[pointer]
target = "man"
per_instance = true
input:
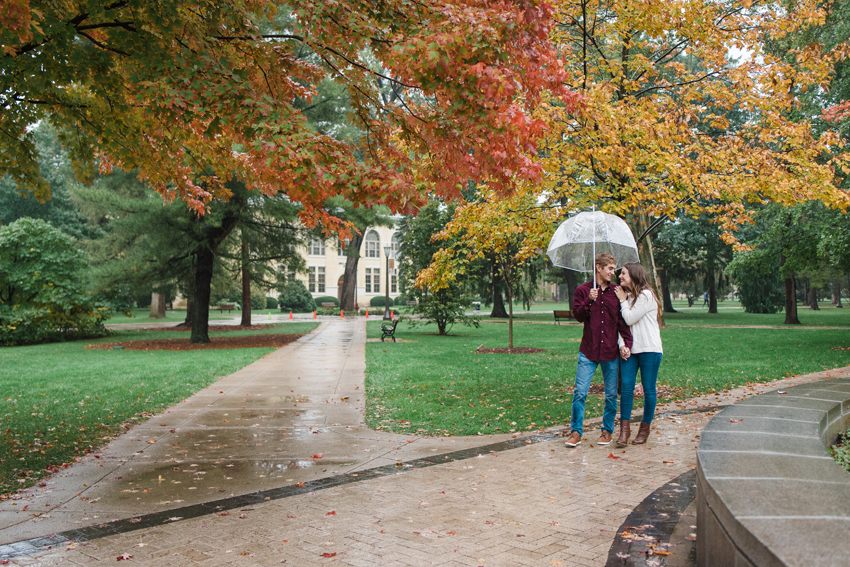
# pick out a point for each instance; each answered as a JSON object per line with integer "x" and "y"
{"x": 704, "y": 298}
{"x": 599, "y": 309}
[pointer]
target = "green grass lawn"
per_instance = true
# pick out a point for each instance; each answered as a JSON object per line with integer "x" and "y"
{"x": 60, "y": 400}
{"x": 142, "y": 316}
{"x": 827, "y": 316}
{"x": 438, "y": 385}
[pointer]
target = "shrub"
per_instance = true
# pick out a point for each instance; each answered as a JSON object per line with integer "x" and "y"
{"x": 445, "y": 308}
{"x": 295, "y": 297}
{"x": 43, "y": 287}
{"x": 258, "y": 299}
{"x": 271, "y": 303}
{"x": 402, "y": 299}
{"x": 379, "y": 301}
{"x": 326, "y": 299}
{"x": 759, "y": 281}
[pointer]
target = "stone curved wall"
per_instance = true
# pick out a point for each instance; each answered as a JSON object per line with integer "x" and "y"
{"x": 768, "y": 491}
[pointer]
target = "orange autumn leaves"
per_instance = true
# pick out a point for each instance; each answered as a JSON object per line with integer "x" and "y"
{"x": 190, "y": 95}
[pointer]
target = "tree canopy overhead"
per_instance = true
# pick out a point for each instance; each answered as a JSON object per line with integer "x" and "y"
{"x": 670, "y": 123}
{"x": 189, "y": 92}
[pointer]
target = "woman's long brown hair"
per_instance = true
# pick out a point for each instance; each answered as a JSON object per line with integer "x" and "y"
{"x": 639, "y": 283}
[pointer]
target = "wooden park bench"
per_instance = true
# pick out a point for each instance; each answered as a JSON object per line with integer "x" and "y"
{"x": 328, "y": 305}
{"x": 222, "y": 307}
{"x": 388, "y": 330}
{"x": 563, "y": 315}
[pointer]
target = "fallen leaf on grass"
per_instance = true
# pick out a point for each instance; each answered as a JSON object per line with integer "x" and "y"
{"x": 611, "y": 456}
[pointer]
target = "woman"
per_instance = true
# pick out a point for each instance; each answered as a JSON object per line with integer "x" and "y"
{"x": 640, "y": 311}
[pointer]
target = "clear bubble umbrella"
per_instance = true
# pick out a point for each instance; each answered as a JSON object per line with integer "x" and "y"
{"x": 580, "y": 238}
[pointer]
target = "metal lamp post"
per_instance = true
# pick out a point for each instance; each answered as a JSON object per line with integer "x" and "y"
{"x": 388, "y": 249}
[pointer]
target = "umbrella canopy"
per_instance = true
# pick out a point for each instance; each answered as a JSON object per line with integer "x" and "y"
{"x": 580, "y": 238}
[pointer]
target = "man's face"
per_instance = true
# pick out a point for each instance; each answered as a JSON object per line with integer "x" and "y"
{"x": 605, "y": 273}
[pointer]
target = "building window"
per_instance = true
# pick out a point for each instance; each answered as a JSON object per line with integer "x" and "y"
{"x": 373, "y": 245}
{"x": 316, "y": 280}
{"x": 394, "y": 284}
{"x": 373, "y": 280}
{"x": 317, "y": 247}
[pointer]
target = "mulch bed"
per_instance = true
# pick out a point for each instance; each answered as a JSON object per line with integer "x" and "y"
{"x": 515, "y": 350}
{"x": 216, "y": 328}
{"x": 248, "y": 341}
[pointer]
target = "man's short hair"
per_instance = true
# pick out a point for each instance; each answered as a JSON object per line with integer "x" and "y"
{"x": 605, "y": 259}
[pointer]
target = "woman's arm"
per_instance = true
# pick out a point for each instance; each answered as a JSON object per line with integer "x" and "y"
{"x": 643, "y": 305}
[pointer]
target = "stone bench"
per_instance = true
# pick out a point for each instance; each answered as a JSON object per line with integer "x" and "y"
{"x": 768, "y": 491}
{"x": 221, "y": 308}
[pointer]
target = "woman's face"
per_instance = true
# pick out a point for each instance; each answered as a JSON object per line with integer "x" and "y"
{"x": 625, "y": 278}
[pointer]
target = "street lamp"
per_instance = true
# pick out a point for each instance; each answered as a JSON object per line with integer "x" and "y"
{"x": 388, "y": 249}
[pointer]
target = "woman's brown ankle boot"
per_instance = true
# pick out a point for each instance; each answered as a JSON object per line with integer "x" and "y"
{"x": 642, "y": 434}
{"x": 625, "y": 432}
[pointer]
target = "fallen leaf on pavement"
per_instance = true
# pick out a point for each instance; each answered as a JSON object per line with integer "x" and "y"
{"x": 124, "y": 556}
{"x": 611, "y": 456}
{"x": 328, "y": 554}
{"x": 735, "y": 420}
{"x": 780, "y": 392}
{"x": 331, "y": 513}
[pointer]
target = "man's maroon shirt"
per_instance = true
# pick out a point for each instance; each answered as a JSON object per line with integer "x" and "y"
{"x": 602, "y": 321}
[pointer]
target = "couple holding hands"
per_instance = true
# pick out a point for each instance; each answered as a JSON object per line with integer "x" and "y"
{"x": 620, "y": 334}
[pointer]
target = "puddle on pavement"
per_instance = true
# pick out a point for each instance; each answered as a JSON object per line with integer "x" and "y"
{"x": 180, "y": 483}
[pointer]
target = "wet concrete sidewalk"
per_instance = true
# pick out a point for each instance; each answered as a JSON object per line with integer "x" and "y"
{"x": 293, "y": 416}
{"x": 318, "y": 487}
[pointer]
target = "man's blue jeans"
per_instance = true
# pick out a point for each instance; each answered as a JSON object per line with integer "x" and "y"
{"x": 648, "y": 362}
{"x": 584, "y": 373}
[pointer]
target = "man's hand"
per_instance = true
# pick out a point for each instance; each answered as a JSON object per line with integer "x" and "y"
{"x": 594, "y": 293}
{"x": 625, "y": 353}
{"x": 621, "y": 294}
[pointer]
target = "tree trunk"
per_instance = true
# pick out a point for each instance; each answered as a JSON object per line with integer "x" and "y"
{"x": 805, "y": 283}
{"x": 190, "y": 313}
{"x": 712, "y": 290}
{"x": 572, "y": 284}
{"x": 157, "y": 306}
{"x": 836, "y": 293}
{"x": 790, "y": 298}
{"x": 666, "y": 300}
{"x": 498, "y": 311}
{"x": 349, "y": 278}
{"x": 203, "y": 271}
{"x": 639, "y": 224}
{"x": 507, "y": 280}
{"x": 813, "y": 298}
{"x": 246, "y": 284}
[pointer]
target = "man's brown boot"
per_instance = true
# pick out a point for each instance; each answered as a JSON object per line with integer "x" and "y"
{"x": 625, "y": 432}
{"x": 642, "y": 434}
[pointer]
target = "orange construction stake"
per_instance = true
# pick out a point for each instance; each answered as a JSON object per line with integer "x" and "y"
{"x": 314, "y": 314}
{"x": 367, "y": 313}
{"x": 290, "y": 314}
{"x": 341, "y": 314}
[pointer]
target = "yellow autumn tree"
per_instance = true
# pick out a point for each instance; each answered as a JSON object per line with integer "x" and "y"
{"x": 511, "y": 230}
{"x": 671, "y": 123}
